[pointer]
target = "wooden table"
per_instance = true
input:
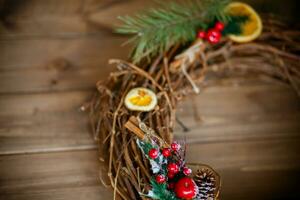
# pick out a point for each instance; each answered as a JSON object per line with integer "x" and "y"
{"x": 51, "y": 57}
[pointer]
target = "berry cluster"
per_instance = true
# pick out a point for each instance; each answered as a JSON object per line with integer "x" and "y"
{"x": 175, "y": 174}
{"x": 212, "y": 35}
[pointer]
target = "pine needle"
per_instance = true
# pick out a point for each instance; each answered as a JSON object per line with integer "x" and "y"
{"x": 234, "y": 25}
{"x": 157, "y": 30}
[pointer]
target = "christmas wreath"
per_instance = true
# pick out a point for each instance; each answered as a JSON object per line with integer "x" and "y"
{"x": 175, "y": 48}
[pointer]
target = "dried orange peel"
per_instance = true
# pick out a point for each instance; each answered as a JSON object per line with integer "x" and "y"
{"x": 140, "y": 99}
{"x": 250, "y": 29}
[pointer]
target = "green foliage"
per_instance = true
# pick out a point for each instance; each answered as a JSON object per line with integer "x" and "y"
{"x": 234, "y": 25}
{"x": 146, "y": 146}
{"x": 157, "y": 30}
{"x": 160, "y": 192}
{"x": 156, "y": 164}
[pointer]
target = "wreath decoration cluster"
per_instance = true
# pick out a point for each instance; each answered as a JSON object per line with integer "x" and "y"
{"x": 176, "y": 47}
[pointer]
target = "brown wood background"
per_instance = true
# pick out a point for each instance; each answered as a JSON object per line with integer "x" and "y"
{"x": 52, "y": 52}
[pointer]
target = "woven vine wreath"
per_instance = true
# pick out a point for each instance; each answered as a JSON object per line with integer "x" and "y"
{"x": 176, "y": 47}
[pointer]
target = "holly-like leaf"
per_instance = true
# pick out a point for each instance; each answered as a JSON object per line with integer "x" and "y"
{"x": 156, "y": 164}
{"x": 160, "y": 192}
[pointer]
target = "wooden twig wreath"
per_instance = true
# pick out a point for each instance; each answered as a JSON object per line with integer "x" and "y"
{"x": 173, "y": 74}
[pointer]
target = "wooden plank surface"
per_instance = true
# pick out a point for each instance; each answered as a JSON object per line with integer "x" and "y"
{"x": 70, "y": 174}
{"x": 30, "y": 121}
{"x": 67, "y": 18}
{"x": 240, "y": 142}
{"x": 56, "y": 65}
{"x": 44, "y": 123}
{"x": 52, "y": 54}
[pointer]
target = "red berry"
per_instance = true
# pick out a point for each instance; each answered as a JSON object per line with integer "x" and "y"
{"x": 175, "y": 146}
{"x": 171, "y": 175}
{"x": 201, "y": 34}
{"x": 166, "y": 152}
{"x": 213, "y": 36}
{"x": 186, "y": 188}
{"x": 160, "y": 178}
{"x": 173, "y": 168}
{"x": 219, "y": 26}
{"x": 153, "y": 153}
{"x": 187, "y": 171}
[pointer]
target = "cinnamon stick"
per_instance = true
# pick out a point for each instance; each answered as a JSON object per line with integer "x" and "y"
{"x": 132, "y": 125}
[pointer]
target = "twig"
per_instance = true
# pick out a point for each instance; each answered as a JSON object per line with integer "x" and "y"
{"x": 184, "y": 127}
{"x": 114, "y": 127}
{"x": 139, "y": 70}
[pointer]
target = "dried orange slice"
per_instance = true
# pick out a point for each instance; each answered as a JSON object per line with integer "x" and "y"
{"x": 140, "y": 99}
{"x": 250, "y": 29}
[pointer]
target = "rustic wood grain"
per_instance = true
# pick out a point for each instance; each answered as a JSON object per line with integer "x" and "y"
{"x": 107, "y": 17}
{"x": 266, "y": 185}
{"x": 53, "y": 121}
{"x": 248, "y": 155}
{"x": 56, "y": 65}
{"x": 44, "y": 122}
{"x": 52, "y": 54}
{"x": 252, "y": 110}
{"x": 70, "y": 174}
{"x": 56, "y": 18}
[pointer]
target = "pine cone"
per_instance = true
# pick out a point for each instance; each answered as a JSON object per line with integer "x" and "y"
{"x": 207, "y": 183}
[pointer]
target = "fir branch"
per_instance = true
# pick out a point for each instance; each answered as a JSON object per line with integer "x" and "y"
{"x": 160, "y": 192}
{"x": 234, "y": 25}
{"x": 157, "y": 30}
{"x": 145, "y": 146}
{"x": 156, "y": 164}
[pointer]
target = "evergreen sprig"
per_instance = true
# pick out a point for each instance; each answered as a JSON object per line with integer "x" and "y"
{"x": 234, "y": 23}
{"x": 157, "y": 30}
{"x": 160, "y": 192}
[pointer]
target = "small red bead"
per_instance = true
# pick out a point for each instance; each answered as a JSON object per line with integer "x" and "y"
{"x": 213, "y": 36}
{"x": 173, "y": 168}
{"x": 187, "y": 171}
{"x": 170, "y": 175}
{"x": 201, "y": 34}
{"x": 160, "y": 178}
{"x": 175, "y": 146}
{"x": 153, "y": 153}
{"x": 166, "y": 152}
{"x": 219, "y": 26}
